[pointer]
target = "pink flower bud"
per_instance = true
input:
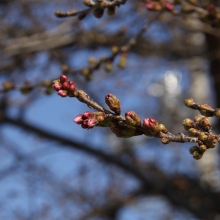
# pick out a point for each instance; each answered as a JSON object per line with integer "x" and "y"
{"x": 92, "y": 122}
{"x": 150, "y": 5}
{"x": 65, "y": 85}
{"x": 87, "y": 115}
{"x": 132, "y": 118}
{"x": 169, "y": 6}
{"x": 72, "y": 87}
{"x": 57, "y": 86}
{"x": 151, "y": 125}
{"x": 84, "y": 125}
{"x": 62, "y": 93}
{"x": 63, "y": 78}
{"x": 71, "y": 82}
{"x": 78, "y": 119}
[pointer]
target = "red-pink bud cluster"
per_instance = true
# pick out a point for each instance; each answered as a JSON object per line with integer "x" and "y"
{"x": 89, "y": 119}
{"x": 155, "y": 5}
{"x": 64, "y": 87}
{"x": 151, "y": 125}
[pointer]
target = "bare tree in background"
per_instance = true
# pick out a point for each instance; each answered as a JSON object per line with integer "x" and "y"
{"x": 151, "y": 54}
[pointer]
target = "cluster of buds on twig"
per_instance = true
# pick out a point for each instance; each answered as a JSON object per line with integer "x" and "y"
{"x": 97, "y": 6}
{"x": 200, "y": 128}
{"x": 64, "y": 87}
{"x": 155, "y": 5}
{"x": 210, "y": 14}
{"x": 88, "y": 119}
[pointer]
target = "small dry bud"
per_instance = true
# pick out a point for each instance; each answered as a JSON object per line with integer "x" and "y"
{"x": 164, "y": 140}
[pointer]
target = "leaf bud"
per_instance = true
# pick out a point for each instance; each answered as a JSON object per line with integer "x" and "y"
{"x": 163, "y": 128}
{"x": 122, "y": 61}
{"x": 113, "y": 103}
{"x": 115, "y": 49}
{"x": 108, "y": 66}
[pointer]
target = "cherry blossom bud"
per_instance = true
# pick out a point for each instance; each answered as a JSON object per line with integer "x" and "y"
{"x": 72, "y": 88}
{"x": 63, "y": 78}
{"x": 113, "y": 103}
{"x": 211, "y": 141}
{"x": 132, "y": 118}
{"x": 92, "y": 122}
{"x": 87, "y": 115}
{"x": 193, "y": 132}
{"x": 189, "y": 103}
{"x": 150, "y": 5}
{"x": 188, "y": 123}
{"x": 202, "y": 148}
{"x": 193, "y": 149}
{"x": 217, "y": 112}
{"x": 57, "y": 86}
{"x": 205, "y": 124}
{"x": 65, "y": 86}
{"x": 197, "y": 155}
{"x": 197, "y": 118}
{"x": 62, "y": 93}
{"x": 151, "y": 125}
{"x": 169, "y": 6}
{"x": 202, "y": 136}
{"x": 207, "y": 113}
{"x": 78, "y": 119}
